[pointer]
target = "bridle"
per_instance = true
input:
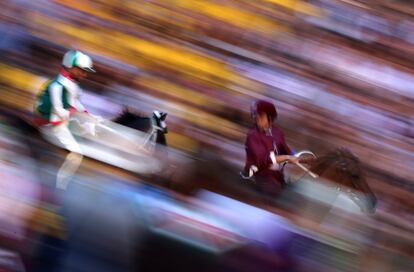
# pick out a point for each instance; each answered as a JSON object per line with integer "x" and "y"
{"x": 151, "y": 138}
{"x": 307, "y": 171}
{"x": 337, "y": 187}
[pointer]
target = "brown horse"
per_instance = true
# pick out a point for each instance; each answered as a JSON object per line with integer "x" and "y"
{"x": 339, "y": 169}
{"x": 343, "y": 169}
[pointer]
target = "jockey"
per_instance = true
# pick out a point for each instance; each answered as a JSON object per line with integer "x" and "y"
{"x": 266, "y": 150}
{"x": 55, "y": 104}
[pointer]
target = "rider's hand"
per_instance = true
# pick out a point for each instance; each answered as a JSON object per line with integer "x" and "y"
{"x": 65, "y": 115}
{"x": 98, "y": 119}
{"x": 308, "y": 161}
{"x": 89, "y": 128}
{"x": 244, "y": 176}
{"x": 293, "y": 159}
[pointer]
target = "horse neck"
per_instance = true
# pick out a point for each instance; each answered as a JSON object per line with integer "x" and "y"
{"x": 328, "y": 168}
{"x": 343, "y": 169}
{"x": 135, "y": 122}
{"x": 338, "y": 169}
{"x": 145, "y": 124}
{"x": 322, "y": 164}
{"x": 160, "y": 138}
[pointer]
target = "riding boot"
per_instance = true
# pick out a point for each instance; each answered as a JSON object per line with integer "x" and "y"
{"x": 68, "y": 169}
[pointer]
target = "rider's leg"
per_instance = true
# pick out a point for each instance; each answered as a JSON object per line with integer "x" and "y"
{"x": 269, "y": 187}
{"x": 72, "y": 160}
{"x": 61, "y": 135}
{"x": 68, "y": 169}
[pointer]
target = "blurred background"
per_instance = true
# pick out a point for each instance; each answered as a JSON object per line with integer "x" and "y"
{"x": 340, "y": 72}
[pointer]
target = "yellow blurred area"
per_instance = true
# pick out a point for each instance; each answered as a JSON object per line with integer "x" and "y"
{"x": 34, "y": 217}
{"x": 339, "y": 72}
{"x": 163, "y": 14}
{"x": 134, "y": 50}
{"x": 208, "y": 121}
{"x": 20, "y": 79}
{"x": 47, "y": 222}
{"x": 179, "y": 92}
{"x": 90, "y": 39}
{"x": 228, "y": 14}
{"x": 180, "y": 141}
{"x": 297, "y": 5}
{"x": 96, "y": 9}
{"x": 193, "y": 114}
{"x": 169, "y": 12}
{"x": 26, "y": 85}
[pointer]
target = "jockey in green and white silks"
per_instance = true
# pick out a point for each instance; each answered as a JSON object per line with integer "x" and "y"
{"x": 60, "y": 96}
{"x": 55, "y": 103}
{"x": 58, "y": 99}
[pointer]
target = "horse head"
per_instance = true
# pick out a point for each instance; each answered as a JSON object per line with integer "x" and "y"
{"x": 155, "y": 125}
{"x": 343, "y": 168}
{"x": 159, "y": 121}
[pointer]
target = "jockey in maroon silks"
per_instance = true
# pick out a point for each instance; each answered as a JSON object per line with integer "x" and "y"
{"x": 266, "y": 150}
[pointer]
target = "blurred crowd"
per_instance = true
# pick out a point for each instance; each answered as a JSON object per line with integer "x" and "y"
{"x": 340, "y": 73}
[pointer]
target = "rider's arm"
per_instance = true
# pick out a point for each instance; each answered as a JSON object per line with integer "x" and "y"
{"x": 286, "y": 158}
{"x": 285, "y": 148}
{"x": 250, "y": 161}
{"x": 56, "y": 100}
{"x": 79, "y": 107}
{"x": 259, "y": 159}
{"x": 77, "y": 103}
{"x": 255, "y": 155}
{"x": 285, "y": 152}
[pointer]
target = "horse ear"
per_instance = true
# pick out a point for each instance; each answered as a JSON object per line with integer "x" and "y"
{"x": 125, "y": 109}
{"x": 159, "y": 115}
{"x": 156, "y": 114}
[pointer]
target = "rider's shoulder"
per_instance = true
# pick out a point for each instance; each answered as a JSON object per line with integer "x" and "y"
{"x": 55, "y": 83}
{"x": 276, "y": 130}
{"x": 47, "y": 84}
{"x": 253, "y": 132}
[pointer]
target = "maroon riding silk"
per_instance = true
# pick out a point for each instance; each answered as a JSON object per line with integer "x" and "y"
{"x": 259, "y": 144}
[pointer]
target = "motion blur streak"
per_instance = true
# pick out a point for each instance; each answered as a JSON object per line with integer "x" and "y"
{"x": 163, "y": 137}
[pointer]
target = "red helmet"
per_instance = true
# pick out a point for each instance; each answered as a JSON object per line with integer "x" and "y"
{"x": 263, "y": 106}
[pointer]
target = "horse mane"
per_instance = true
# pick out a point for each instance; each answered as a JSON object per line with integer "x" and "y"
{"x": 138, "y": 121}
{"x": 127, "y": 116}
{"x": 345, "y": 163}
{"x": 347, "y": 171}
